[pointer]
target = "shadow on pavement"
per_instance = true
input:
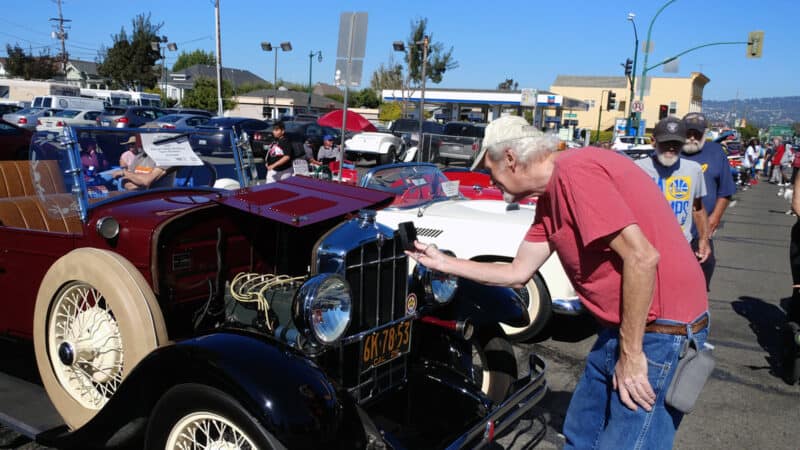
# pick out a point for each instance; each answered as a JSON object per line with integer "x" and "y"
{"x": 766, "y": 321}
{"x": 567, "y": 329}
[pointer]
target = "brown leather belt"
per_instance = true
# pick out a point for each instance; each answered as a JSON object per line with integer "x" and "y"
{"x": 677, "y": 329}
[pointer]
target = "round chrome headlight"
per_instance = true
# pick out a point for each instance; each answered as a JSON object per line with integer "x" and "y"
{"x": 438, "y": 285}
{"x": 323, "y": 306}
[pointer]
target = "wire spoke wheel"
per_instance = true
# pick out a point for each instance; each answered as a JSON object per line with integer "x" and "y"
{"x": 205, "y": 430}
{"x": 85, "y": 340}
{"x": 95, "y": 318}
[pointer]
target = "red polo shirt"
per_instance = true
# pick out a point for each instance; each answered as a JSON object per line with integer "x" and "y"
{"x": 594, "y": 193}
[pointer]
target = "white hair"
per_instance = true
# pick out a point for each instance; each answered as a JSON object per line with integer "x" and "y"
{"x": 515, "y": 133}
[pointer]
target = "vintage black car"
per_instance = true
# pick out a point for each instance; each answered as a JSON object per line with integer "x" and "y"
{"x": 277, "y": 315}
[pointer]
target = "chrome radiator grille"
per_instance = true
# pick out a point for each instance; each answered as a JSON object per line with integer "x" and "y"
{"x": 378, "y": 276}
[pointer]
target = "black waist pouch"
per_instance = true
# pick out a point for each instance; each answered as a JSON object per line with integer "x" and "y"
{"x": 694, "y": 367}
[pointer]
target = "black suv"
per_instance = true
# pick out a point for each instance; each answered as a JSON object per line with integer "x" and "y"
{"x": 408, "y": 130}
{"x": 212, "y": 136}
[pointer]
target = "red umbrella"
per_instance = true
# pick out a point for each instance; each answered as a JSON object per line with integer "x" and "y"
{"x": 355, "y": 121}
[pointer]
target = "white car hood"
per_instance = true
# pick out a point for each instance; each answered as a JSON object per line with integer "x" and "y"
{"x": 468, "y": 227}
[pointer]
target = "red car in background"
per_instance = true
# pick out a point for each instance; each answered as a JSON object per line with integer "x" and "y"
{"x": 478, "y": 185}
{"x": 14, "y": 141}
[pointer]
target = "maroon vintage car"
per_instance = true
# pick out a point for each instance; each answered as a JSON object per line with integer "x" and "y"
{"x": 14, "y": 141}
{"x": 176, "y": 315}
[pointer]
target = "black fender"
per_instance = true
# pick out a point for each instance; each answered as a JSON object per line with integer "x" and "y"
{"x": 285, "y": 390}
{"x": 484, "y": 305}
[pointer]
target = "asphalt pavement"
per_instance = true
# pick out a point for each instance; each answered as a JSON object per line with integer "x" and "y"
{"x": 745, "y": 404}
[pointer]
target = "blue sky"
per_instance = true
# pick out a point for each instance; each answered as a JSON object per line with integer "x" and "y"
{"x": 530, "y": 41}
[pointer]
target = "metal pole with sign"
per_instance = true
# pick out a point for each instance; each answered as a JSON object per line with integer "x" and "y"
{"x": 349, "y": 61}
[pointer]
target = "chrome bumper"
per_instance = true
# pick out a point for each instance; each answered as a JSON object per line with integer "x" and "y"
{"x": 527, "y": 393}
{"x": 568, "y": 306}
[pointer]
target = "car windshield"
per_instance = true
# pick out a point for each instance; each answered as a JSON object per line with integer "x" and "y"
{"x": 413, "y": 184}
{"x": 105, "y": 165}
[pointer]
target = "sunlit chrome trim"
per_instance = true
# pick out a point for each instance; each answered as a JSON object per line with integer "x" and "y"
{"x": 306, "y": 299}
{"x": 107, "y": 227}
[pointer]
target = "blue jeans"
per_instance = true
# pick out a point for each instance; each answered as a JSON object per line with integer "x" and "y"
{"x": 597, "y": 418}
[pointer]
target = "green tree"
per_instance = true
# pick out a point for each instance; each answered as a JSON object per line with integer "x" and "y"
{"x": 250, "y": 87}
{"x": 366, "y": 98}
{"x": 130, "y": 61}
{"x": 439, "y": 60}
{"x": 387, "y": 76}
{"x": 196, "y": 57}
{"x": 508, "y": 85}
{"x": 25, "y": 65}
{"x": 204, "y": 95}
{"x": 748, "y": 131}
{"x": 390, "y": 111}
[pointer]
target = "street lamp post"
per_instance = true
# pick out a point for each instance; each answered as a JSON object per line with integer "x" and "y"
{"x": 267, "y": 47}
{"x": 310, "y": 60}
{"x": 631, "y": 114}
{"x": 643, "y": 78}
{"x": 156, "y": 45}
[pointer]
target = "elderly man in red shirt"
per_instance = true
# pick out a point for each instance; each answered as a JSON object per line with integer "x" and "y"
{"x": 621, "y": 247}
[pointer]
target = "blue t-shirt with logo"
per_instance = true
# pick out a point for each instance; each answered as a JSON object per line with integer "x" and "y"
{"x": 717, "y": 173}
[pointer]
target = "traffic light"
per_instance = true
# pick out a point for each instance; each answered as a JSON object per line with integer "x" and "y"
{"x": 611, "y": 104}
{"x": 663, "y": 110}
{"x": 628, "y": 67}
{"x": 755, "y": 43}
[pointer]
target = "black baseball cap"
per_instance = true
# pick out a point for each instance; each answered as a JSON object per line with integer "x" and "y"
{"x": 695, "y": 121}
{"x": 670, "y": 129}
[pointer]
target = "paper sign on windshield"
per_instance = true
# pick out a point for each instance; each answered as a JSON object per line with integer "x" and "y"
{"x": 450, "y": 188}
{"x": 168, "y": 150}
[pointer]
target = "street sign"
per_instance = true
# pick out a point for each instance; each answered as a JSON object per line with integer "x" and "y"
{"x": 570, "y": 116}
{"x": 351, "y": 48}
{"x": 637, "y": 106}
{"x": 527, "y": 97}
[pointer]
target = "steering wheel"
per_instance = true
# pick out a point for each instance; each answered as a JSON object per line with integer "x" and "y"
{"x": 189, "y": 174}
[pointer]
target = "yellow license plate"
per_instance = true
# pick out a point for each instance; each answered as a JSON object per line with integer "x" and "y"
{"x": 386, "y": 344}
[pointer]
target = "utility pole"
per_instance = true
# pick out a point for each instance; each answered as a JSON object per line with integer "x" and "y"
{"x": 61, "y": 35}
{"x": 219, "y": 60}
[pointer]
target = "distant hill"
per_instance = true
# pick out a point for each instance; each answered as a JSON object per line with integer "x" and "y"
{"x": 760, "y": 112}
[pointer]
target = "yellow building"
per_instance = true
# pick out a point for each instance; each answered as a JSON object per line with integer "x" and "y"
{"x": 677, "y": 96}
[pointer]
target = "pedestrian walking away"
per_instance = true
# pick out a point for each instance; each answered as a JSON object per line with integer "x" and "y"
{"x": 720, "y": 186}
{"x": 624, "y": 252}
{"x": 681, "y": 182}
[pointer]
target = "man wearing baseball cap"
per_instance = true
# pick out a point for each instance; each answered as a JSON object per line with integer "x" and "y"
{"x": 681, "y": 181}
{"x": 719, "y": 182}
{"x": 328, "y": 152}
{"x": 625, "y": 254}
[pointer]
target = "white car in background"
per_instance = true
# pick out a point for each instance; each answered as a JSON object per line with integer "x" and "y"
{"x": 482, "y": 230}
{"x": 67, "y": 117}
{"x": 383, "y": 147}
{"x": 632, "y": 143}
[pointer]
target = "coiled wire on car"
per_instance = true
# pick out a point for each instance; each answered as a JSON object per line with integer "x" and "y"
{"x": 254, "y": 288}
